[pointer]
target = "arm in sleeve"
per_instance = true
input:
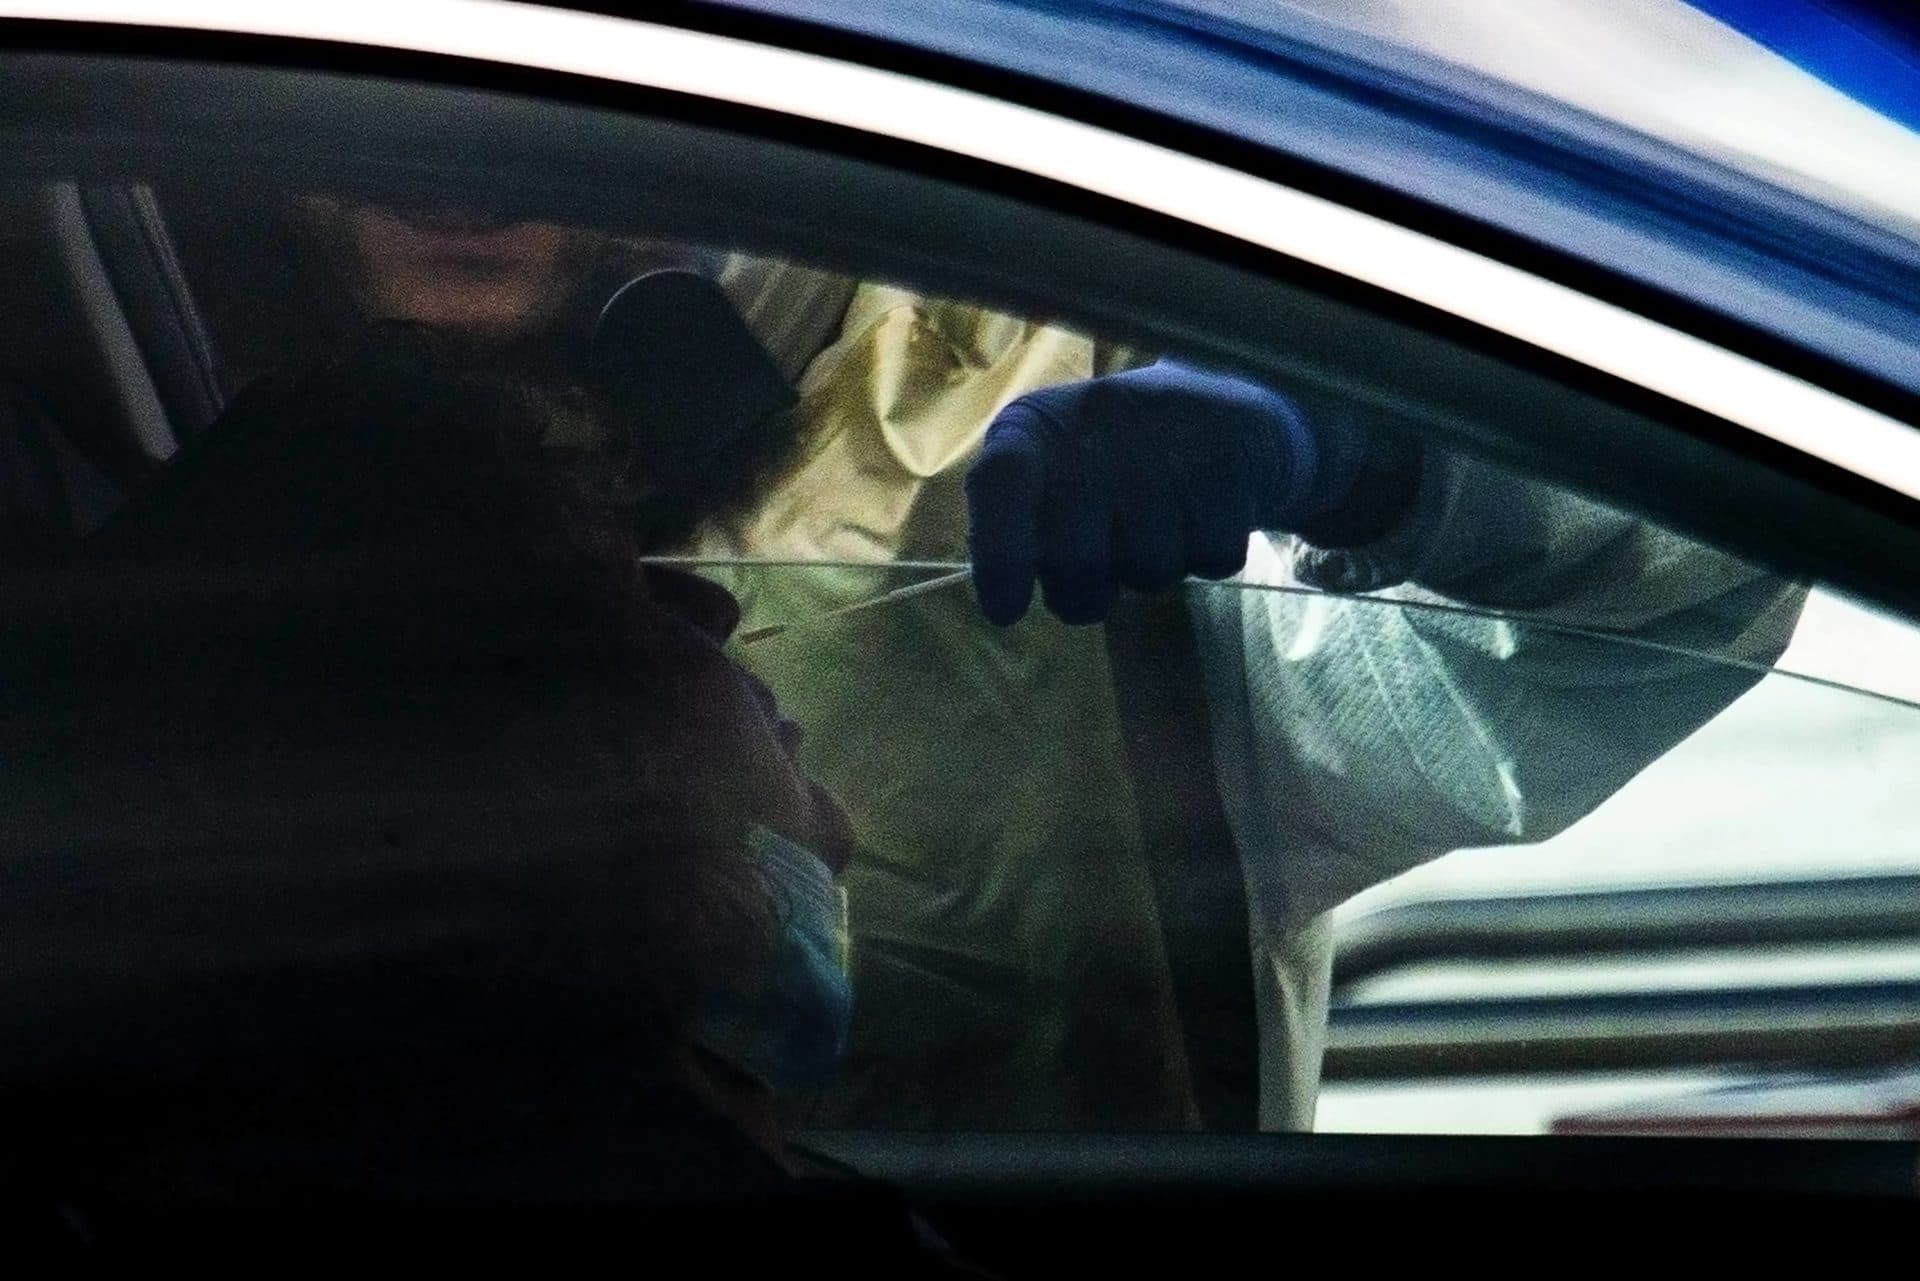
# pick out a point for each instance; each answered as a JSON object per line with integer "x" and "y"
{"x": 1358, "y": 736}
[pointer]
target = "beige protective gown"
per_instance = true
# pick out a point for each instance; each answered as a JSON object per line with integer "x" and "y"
{"x": 1008, "y": 967}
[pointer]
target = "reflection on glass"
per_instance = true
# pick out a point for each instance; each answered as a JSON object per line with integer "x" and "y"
{"x": 446, "y": 609}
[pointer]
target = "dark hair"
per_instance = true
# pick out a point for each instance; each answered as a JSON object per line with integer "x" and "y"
{"x": 385, "y": 761}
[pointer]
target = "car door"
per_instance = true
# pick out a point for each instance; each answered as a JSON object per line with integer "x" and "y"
{"x": 1017, "y": 220}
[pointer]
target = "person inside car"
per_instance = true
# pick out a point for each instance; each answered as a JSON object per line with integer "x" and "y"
{"x": 418, "y": 778}
{"x": 411, "y": 849}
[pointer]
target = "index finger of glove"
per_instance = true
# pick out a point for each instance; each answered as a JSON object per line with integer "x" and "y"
{"x": 1004, "y": 488}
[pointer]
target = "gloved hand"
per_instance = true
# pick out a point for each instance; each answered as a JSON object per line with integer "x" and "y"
{"x": 1141, "y": 478}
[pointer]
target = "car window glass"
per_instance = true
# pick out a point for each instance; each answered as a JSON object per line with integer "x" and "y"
{"x": 1096, "y": 877}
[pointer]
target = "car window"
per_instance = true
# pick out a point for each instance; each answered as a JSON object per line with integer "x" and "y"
{"x": 1740, "y": 915}
{"x": 425, "y": 605}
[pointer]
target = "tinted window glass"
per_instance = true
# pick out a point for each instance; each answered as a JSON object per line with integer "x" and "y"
{"x": 548, "y": 628}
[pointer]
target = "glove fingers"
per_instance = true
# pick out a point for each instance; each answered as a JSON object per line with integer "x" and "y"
{"x": 1004, "y": 490}
{"x": 1076, "y": 530}
{"x": 1217, "y": 534}
{"x": 1149, "y": 537}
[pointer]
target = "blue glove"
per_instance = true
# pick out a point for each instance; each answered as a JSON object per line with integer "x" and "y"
{"x": 1139, "y": 479}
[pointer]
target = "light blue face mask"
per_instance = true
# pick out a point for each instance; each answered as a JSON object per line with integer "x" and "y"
{"x": 792, "y": 1030}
